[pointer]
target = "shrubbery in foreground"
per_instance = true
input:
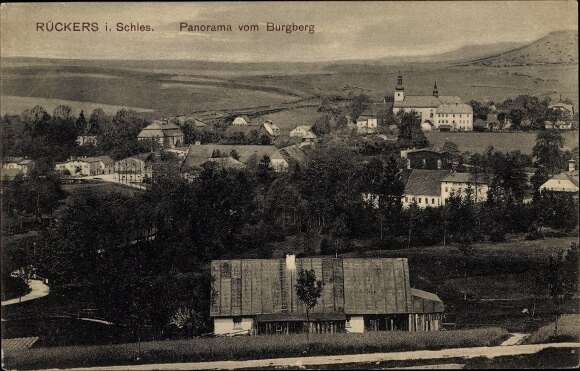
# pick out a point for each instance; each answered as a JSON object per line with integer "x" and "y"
{"x": 237, "y": 348}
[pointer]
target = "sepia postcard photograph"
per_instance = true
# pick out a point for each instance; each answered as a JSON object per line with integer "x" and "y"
{"x": 317, "y": 185}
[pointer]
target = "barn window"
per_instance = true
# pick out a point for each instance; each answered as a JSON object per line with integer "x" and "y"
{"x": 237, "y": 323}
{"x": 226, "y": 270}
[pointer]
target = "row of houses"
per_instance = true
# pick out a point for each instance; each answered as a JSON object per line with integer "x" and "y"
{"x": 86, "y": 166}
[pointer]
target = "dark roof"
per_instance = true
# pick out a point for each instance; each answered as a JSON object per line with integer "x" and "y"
{"x": 465, "y": 178}
{"x": 425, "y": 182}
{"x": 350, "y": 286}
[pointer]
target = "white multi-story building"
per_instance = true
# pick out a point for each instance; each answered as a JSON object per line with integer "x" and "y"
{"x": 438, "y": 112}
{"x": 432, "y": 188}
{"x": 459, "y": 183}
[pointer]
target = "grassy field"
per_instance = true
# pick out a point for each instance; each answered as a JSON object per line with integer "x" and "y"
{"x": 476, "y": 142}
{"x": 174, "y": 87}
{"x": 214, "y": 349}
{"x": 499, "y": 285}
{"x": 568, "y": 330}
{"x": 288, "y": 120}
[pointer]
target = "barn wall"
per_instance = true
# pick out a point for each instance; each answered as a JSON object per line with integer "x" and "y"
{"x": 223, "y": 326}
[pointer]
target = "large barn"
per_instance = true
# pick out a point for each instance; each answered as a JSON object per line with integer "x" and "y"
{"x": 258, "y": 297}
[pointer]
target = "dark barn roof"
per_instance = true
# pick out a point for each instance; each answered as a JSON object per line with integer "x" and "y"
{"x": 254, "y": 287}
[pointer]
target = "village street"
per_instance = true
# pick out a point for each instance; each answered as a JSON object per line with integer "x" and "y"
{"x": 38, "y": 289}
{"x": 490, "y": 352}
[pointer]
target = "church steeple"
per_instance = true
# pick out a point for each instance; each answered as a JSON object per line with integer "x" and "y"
{"x": 399, "y": 89}
{"x": 435, "y": 90}
{"x": 399, "y": 82}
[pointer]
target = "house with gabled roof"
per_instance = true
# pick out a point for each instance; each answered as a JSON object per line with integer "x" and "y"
{"x": 259, "y": 297}
{"x": 423, "y": 188}
{"x": 165, "y": 133}
{"x": 241, "y": 121}
{"x": 566, "y": 182}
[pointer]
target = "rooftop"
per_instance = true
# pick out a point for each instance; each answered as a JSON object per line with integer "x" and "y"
{"x": 465, "y": 178}
{"x": 418, "y": 101}
{"x": 350, "y": 286}
{"x": 425, "y": 182}
{"x": 455, "y": 108}
{"x": 159, "y": 129}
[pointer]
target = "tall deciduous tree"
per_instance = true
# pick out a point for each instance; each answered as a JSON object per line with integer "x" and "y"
{"x": 548, "y": 151}
{"x": 308, "y": 291}
{"x": 410, "y": 133}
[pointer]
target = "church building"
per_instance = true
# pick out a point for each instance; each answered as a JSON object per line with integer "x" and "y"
{"x": 437, "y": 112}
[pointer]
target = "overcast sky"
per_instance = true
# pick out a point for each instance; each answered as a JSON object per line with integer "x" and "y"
{"x": 344, "y": 30}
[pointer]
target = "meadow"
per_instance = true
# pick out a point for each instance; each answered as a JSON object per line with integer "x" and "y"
{"x": 568, "y": 330}
{"x": 478, "y": 142}
{"x": 256, "y": 347}
{"x": 501, "y": 280}
{"x": 182, "y": 87}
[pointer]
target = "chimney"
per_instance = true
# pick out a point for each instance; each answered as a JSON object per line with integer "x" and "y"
{"x": 291, "y": 262}
{"x": 571, "y": 166}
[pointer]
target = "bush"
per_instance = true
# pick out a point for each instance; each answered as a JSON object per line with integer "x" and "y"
{"x": 238, "y": 348}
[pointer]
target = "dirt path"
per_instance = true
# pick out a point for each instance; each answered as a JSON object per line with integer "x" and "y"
{"x": 38, "y": 289}
{"x": 515, "y": 338}
{"x": 489, "y": 352}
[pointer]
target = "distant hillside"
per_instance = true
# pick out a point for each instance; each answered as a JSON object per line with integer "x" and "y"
{"x": 463, "y": 54}
{"x": 555, "y": 48}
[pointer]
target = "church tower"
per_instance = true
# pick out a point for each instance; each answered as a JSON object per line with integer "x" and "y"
{"x": 399, "y": 89}
{"x": 435, "y": 90}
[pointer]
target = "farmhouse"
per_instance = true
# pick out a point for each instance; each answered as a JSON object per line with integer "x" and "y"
{"x": 135, "y": 168}
{"x": 564, "y": 182}
{"x": 423, "y": 188}
{"x": 567, "y": 110}
{"x": 241, "y": 121}
{"x": 166, "y": 134}
{"x": 367, "y": 122}
{"x": 258, "y": 297}
{"x": 437, "y": 112}
{"x": 304, "y": 132}
{"x": 271, "y": 129}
